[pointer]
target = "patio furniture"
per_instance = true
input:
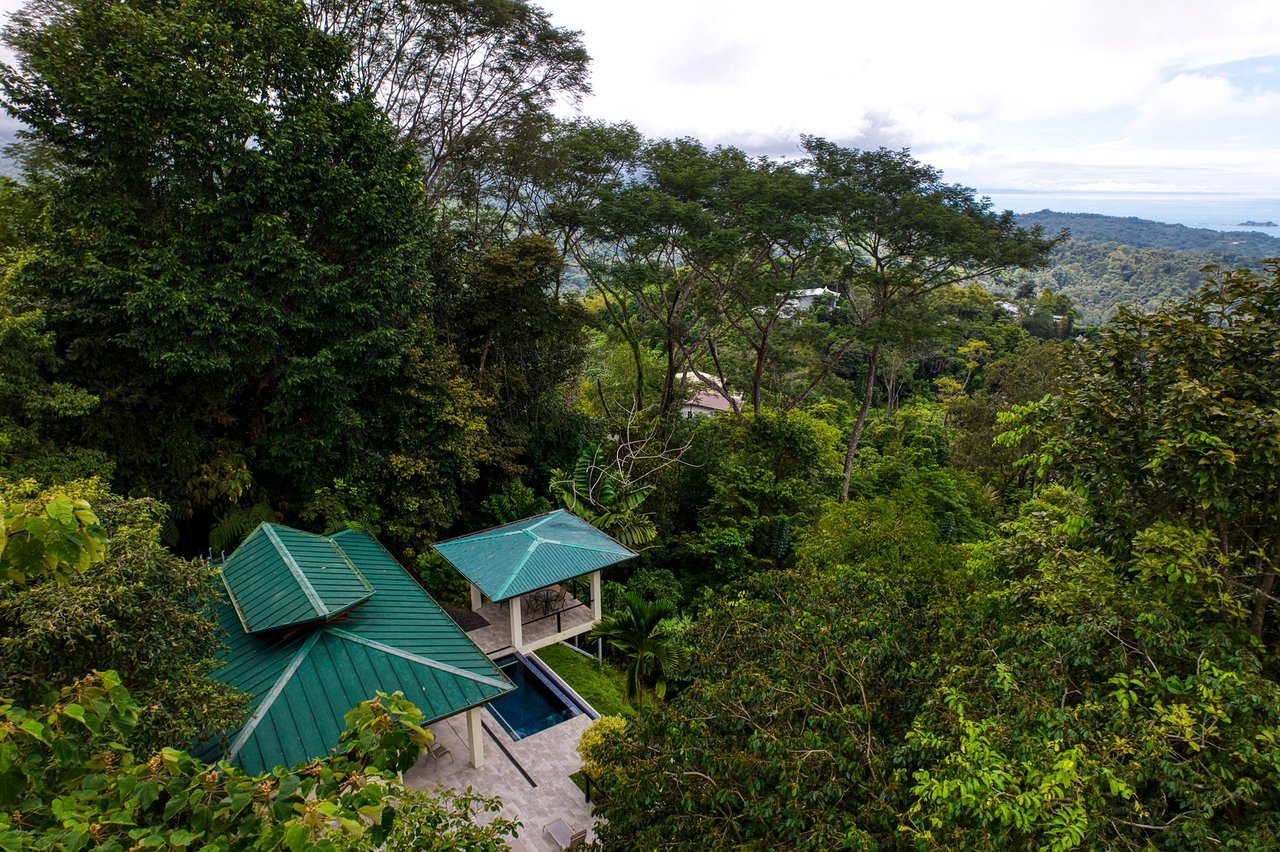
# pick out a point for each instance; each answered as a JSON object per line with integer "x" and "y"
{"x": 559, "y": 594}
{"x": 549, "y": 599}
{"x": 564, "y": 836}
{"x": 439, "y": 750}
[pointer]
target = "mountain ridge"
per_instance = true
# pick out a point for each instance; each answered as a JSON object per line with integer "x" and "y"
{"x": 1148, "y": 233}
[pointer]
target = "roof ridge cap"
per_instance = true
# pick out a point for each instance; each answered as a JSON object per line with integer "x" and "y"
{"x": 260, "y": 712}
{"x": 406, "y": 655}
{"x": 545, "y": 518}
{"x": 235, "y": 604}
{"x": 313, "y": 597}
{"x": 351, "y": 564}
{"x": 498, "y": 530}
{"x": 559, "y": 543}
{"x": 519, "y": 566}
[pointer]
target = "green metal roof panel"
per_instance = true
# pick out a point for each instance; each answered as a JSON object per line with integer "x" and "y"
{"x": 304, "y": 681}
{"x": 404, "y": 615}
{"x": 282, "y": 577}
{"x": 301, "y": 715}
{"x": 510, "y": 560}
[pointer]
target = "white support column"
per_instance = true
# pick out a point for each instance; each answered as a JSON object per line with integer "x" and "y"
{"x": 475, "y": 737}
{"x": 595, "y": 595}
{"x": 517, "y": 631}
{"x": 477, "y": 599}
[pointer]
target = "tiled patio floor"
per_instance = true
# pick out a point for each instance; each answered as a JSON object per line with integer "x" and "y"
{"x": 549, "y": 757}
{"x": 497, "y": 635}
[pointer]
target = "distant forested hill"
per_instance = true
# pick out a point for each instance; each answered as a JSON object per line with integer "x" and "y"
{"x": 1094, "y": 228}
{"x": 1111, "y": 260}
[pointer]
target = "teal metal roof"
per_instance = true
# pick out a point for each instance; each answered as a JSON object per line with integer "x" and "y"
{"x": 282, "y": 577}
{"x": 303, "y": 681}
{"x": 510, "y": 560}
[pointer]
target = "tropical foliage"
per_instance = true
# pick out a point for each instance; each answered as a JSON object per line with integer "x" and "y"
{"x": 643, "y": 633}
{"x": 67, "y": 783}
{"x": 951, "y": 570}
{"x": 599, "y": 495}
{"x": 92, "y": 588}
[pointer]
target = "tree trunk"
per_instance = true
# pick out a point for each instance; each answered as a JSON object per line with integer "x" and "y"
{"x": 757, "y": 378}
{"x": 1264, "y": 599}
{"x": 484, "y": 353}
{"x": 639, "y": 361}
{"x": 862, "y": 422}
{"x": 669, "y": 382}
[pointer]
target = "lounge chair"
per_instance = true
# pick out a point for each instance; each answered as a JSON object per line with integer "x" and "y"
{"x": 439, "y": 750}
{"x": 564, "y": 836}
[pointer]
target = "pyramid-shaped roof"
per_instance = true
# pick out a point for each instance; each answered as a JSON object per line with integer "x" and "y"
{"x": 510, "y": 560}
{"x": 304, "y": 680}
{"x": 282, "y": 577}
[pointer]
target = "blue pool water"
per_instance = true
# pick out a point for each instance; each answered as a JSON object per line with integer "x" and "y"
{"x": 534, "y": 705}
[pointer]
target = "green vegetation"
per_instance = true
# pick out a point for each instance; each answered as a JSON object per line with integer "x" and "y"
{"x": 1144, "y": 233}
{"x": 68, "y": 783}
{"x": 1110, "y": 262}
{"x": 949, "y": 570}
{"x": 1100, "y": 672}
{"x": 642, "y": 632}
{"x": 600, "y": 685}
{"x": 131, "y": 606}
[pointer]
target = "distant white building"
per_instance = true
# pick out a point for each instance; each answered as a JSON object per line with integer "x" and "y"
{"x": 802, "y": 300}
{"x": 708, "y": 401}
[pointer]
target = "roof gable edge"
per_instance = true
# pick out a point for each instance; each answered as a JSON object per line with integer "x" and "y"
{"x": 313, "y": 597}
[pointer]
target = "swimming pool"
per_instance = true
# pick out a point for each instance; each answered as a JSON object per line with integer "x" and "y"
{"x": 535, "y": 705}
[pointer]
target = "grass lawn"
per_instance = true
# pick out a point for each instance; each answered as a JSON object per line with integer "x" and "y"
{"x": 600, "y": 685}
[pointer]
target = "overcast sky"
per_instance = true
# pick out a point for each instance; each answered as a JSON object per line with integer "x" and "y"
{"x": 1038, "y": 95}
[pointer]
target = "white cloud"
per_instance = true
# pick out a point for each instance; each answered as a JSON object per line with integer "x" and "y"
{"x": 1203, "y": 97}
{"x": 972, "y": 87}
{"x": 998, "y": 93}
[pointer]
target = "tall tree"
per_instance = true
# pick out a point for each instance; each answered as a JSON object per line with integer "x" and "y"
{"x": 33, "y": 401}
{"x": 801, "y": 681}
{"x": 232, "y": 261}
{"x": 1096, "y": 697}
{"x": 519, "y": 342}
{"x": 706, "y": 247}
{"x": 900, "y": 234}
{"x": 456, "y": 76}
{"x": 1171, "y": 416}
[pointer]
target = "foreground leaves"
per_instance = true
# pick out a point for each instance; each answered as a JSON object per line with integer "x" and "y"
{"x": 67, "y": 783}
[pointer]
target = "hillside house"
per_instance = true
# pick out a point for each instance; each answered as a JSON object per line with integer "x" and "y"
{"x": 316, "y": 624}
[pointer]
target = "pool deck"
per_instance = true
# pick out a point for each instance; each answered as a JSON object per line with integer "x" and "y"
{"x": 548, "y": 757}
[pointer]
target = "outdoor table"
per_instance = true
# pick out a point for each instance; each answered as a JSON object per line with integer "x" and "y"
{"x": 544, "y": 598}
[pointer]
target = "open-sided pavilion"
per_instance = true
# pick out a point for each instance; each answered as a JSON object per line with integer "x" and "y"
{"x": 537, "y": 580}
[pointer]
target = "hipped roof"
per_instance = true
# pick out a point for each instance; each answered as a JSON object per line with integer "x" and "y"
{"x": 282, "y": 577}
{"x": 510, "y": 560}
{"x": 304, "y": 679}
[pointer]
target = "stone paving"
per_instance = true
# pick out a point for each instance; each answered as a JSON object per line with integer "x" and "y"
{"x": 549, "y": 757}
{"x": 497, "y": 636}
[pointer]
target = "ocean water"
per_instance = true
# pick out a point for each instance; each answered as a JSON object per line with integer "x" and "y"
{"x": 1218, "y": 212}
